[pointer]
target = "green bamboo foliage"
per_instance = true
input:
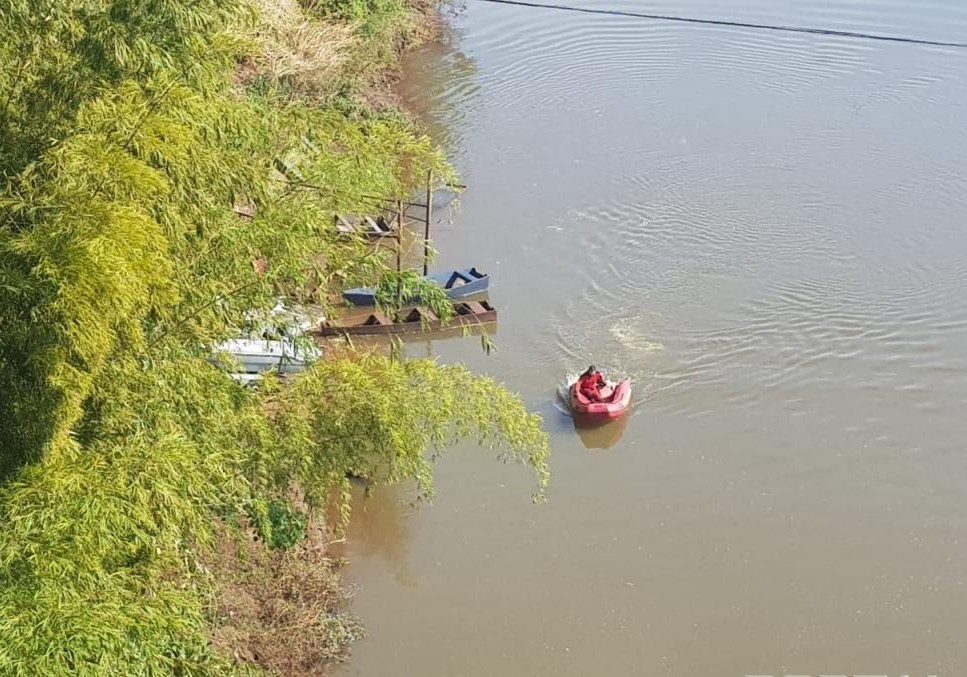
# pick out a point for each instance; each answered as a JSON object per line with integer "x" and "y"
{"x": 81, "y": 263}
{"x": 378, "y": 418}
{"x": 394, "y": 290}
{"x": 97, "y": 571}
{"x": 138, "y": 203}
{"x": 98, "y": 555}
{"x": 126, "y": 150}
{"x": 60, "y": 53}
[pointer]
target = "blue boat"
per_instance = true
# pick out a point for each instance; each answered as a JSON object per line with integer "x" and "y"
{"x": 458, "y": 284}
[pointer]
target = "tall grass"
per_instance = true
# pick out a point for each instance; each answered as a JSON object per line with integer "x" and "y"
{"x": 385, "y": 26}
{"x": 309, "y": 52}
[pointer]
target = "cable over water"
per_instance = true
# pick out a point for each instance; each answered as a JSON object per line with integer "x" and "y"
{"x": 737, "y": 24}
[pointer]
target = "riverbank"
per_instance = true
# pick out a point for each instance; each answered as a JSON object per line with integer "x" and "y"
{"x": 172, "y": 171}
{"x": 286, "y": 610}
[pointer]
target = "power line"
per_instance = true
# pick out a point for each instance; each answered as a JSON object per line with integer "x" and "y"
{"x": 736, "y": 24}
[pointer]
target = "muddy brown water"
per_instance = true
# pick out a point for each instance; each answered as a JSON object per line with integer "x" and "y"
{"x": 768, "y": 233}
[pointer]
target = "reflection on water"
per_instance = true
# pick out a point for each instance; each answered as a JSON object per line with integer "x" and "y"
{"x": 379, "y": 528}
{"x": 602, "y": 435}
{"x": 439, "y": 74}
{"x": 766, "y": 232}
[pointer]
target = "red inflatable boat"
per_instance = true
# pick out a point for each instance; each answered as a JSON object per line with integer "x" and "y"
{"x": 615, "y": 401}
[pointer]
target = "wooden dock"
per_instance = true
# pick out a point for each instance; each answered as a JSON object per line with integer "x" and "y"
{"x": 415, "y": 320}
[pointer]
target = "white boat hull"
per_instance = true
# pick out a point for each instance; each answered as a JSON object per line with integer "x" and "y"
{"x": 258, "y": 355}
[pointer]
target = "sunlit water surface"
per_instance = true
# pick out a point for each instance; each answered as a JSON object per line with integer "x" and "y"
{"x": 768, "y": 233}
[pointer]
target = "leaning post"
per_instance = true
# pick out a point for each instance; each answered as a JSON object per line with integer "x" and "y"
{"x": 399, "y": 236}
{"x": 429, "y": 219}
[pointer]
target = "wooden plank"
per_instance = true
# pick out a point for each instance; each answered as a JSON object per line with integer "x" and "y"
{"x": 343, "y": 225}
{"x": 420, "y": 317}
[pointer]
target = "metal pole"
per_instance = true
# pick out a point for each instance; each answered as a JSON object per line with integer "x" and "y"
{"x": 399, "y": 236}
{"x": 429, "y": 218}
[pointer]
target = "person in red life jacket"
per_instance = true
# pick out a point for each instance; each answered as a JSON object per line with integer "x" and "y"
{"x": 590, "y": 384}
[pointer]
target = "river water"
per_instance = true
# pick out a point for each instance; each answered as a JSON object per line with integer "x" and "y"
{"x": 766, "y": 231}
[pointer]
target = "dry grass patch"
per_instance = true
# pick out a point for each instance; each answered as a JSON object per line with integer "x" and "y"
{"x": 304, "y": 51}
{"x": 282, "y": 611}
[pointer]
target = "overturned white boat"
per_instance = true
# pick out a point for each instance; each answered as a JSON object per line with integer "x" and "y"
{"x": 256, "y": 355}
{"x": 282, "y": 347}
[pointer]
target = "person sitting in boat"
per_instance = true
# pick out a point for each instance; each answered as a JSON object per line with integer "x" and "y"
{"x": 590, "y": 384}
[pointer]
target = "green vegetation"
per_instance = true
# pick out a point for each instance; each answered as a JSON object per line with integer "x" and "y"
{"x": 279, "y": 524}
{"x": 386, "y": 26}
{"x": 133, "y": 132}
